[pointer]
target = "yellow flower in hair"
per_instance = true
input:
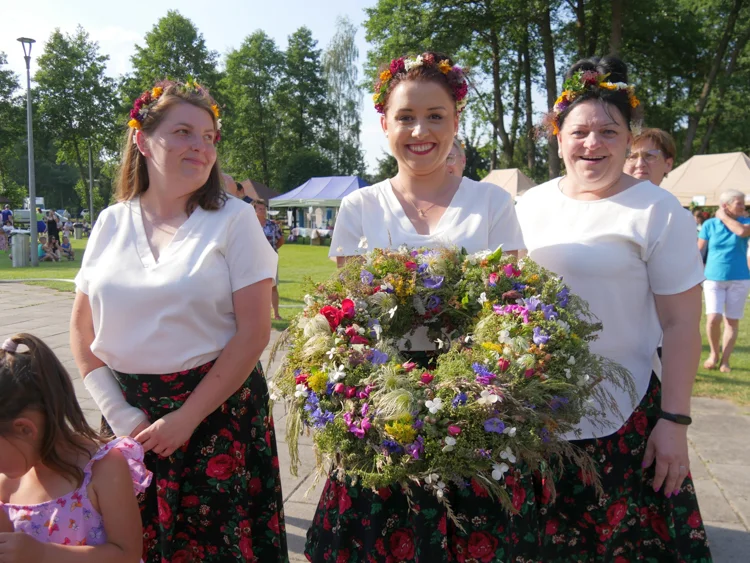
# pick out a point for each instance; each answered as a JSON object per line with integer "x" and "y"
{"x": 156, "y": 92}
{"x": 215, "y": 109}
{"x": 134, "y": 123}
{"x": 634, "y": 102}
{"x": 555, "y": 128}
{"x": 376, "y": 97}
{"x": 385, "y": 76}
{"x": 608, "y": 86}
{"x": 444, "y": 66}
{"x": 563, "y": 97}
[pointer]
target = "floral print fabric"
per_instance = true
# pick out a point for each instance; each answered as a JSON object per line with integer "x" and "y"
{"x": 218, "y": 498}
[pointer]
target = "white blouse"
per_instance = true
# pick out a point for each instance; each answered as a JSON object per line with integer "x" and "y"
{"x": 175, "y": 314}
{"x": 617, "y": 254}
{"x": 481, "y": 216}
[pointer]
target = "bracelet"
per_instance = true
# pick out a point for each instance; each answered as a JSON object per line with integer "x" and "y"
{"x": 676, "y": 418}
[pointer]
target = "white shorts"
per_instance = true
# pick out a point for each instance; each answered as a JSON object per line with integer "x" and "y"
{"x": 726, "y": 297}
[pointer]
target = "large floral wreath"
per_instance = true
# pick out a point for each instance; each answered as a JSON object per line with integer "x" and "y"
{"x": 513, "y": 371}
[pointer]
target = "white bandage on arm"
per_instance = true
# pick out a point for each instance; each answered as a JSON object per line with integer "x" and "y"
{"x": 104, "y": 389}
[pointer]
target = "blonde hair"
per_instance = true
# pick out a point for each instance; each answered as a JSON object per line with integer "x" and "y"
{"x": 660, "y": 138}
{"x": 133, "y": 177}
{"x": 730, "y": 195}
{"x": 459, "y": 147}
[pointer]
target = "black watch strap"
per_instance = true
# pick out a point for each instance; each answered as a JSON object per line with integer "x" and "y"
{"x": 676, "y": 418}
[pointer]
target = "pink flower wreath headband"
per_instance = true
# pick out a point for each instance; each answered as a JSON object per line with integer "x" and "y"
{"x": 403, "y": 65}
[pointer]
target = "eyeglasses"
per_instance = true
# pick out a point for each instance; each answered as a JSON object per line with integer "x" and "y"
{"x": 451, "y": 160}
{"x": 648, "y": 156}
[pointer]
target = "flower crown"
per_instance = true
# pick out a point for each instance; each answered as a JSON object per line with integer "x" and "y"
{"x": 581, "y": 82}
{"x": 403, "y": 65}
{"x": 146, "y": 101}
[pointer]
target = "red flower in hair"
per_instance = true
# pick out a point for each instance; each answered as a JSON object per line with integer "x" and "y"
{"x": 428, "y": 58}
{"x": 397, "y": 65}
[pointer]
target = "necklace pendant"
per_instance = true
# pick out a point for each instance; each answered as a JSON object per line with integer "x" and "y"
{"x": 421, "y": 212}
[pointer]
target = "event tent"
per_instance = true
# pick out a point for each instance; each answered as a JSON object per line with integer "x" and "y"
{"x": 703, "y": 178}
{"x": 256, "y": 190}
{"x": 320, "y": 192}
{"x": 512, "y": 180}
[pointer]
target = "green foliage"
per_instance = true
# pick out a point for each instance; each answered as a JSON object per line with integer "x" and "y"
{"x": 302, "y": 165}
{"x": 387, "y": 167}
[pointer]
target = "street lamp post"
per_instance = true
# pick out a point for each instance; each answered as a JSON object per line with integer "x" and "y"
{"x": 26, "y": 42}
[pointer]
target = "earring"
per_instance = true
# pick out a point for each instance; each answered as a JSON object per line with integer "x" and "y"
{"x": 386, "y": 134}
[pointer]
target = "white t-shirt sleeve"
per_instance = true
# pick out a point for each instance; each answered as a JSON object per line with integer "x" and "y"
{"x": 92, "y": 249}
{"x": 249, "y": 256}
{"x": 505, "y": 228}
{"x": 347, "y": 231}
{"x": 671, "y": 253}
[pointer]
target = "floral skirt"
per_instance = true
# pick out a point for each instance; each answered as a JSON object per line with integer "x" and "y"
{"x": 218, "y": 498}
{"x": 629, "y": 523}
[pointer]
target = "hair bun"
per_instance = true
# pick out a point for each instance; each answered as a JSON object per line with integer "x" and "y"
{"x": 615, "y": 67}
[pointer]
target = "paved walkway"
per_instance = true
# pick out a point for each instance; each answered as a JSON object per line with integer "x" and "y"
{"x": 719, "y": 452}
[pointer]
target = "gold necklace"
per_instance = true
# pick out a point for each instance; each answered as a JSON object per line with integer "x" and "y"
{"x": 422, "y": 212}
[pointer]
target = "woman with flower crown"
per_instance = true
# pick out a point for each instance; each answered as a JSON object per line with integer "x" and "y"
{"x": 420, "y": 99}
{"x": 629, "y": 249}
{"x": 168, "y": 325}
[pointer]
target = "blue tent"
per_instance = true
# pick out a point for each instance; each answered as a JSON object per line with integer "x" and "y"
{"x": 320, "y": 192}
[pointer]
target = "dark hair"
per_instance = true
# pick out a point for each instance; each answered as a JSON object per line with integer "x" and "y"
{"x": 133, "y": 177}
{"x": 423, "y": 73}
{"x": 661, "y": 139}
{"x": 240, "y": 187}
{"x": 617, "y": 71}
{"x": 37, "y": 380}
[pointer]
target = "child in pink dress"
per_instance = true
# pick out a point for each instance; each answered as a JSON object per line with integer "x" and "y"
{"x": 66, "y": 495}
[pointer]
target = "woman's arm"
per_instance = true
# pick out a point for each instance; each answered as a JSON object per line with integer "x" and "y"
{"x": 82, "y": 335}
{"x": 739, "y": 229}
{"x": 679, "y": 316}
{"x": 232, "y": 367}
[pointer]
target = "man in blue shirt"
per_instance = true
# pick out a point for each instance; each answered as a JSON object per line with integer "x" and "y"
{"x": 275, "y": 238}
{"x": 727, "y": 275}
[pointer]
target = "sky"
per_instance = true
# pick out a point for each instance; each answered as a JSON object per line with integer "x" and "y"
{"x": 224, "y": 25}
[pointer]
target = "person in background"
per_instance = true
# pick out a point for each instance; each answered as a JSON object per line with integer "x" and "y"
{"x": 67, "y": 494}
{"x": 651, "y": 156}
{"x": 53, "y": 226}
{"x": 7, "y": 215}
{"x": 275, "y": 238}
{"x": 66, "y": 249}
{"x": 727, "y": 275}
{"x": 242, "y": 195}
{"x": 230, "y": 186}
{"x": 44, "y": 252}
{"x": 456, "y": 159}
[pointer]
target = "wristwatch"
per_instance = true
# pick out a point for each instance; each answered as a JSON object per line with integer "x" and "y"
{"x": 676, "y": 418}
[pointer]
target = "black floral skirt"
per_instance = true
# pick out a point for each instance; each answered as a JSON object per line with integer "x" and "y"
{"x": 629, "y": 523}
{"x": 218, "y": 498}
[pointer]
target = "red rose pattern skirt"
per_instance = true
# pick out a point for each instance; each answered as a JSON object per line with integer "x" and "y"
{"x": 218, "y": 498}
{"x": 630, "y": 523}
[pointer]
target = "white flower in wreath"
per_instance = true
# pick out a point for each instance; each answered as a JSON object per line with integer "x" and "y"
{"x": 218, "y": 124}
{"x": 317, "y": 325}
{"x": 572, "y": 361}
{"x": 392, "y": 311}
{"x": 413, "y": 63}
{"x": 510, "y": 431}
{"x": 434, "y": 405}
{"x": 441, "y": 343}
{"x": 568, "y": 375}
{"x": 563, "y": 325}
{"x": 301, "y": 390}
{"x": 432, "y": 478}
{"x": 338, "y": 372}
{"x": 507, "y": 454}
{"x": 482, "y": 298}
{"x": 363, "y": 243}
{"x": 499, "y": 470}
{"x": 488, "y": 398}
{"x": 309, "y": 300}
{"x": 450, "y": 443}
{"x": 331, "y": 353}
{"x": 440, "y": 489}
{"x": 503, "y": 337}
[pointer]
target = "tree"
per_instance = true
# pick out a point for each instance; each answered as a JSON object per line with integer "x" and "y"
{"x": 11, "y": 125}
{"x": 387, "y": 168}
{"x": 76, "y": 102}
{"x": 302, "y": 165}
{"x": 250, "y": 123}
{"x": 344, "y": 97}
{"x": 174, "y": 49}
{"x": 302, "y": 103}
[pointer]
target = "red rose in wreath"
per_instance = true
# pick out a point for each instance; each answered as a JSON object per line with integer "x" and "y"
{"x": 333, "y": 315}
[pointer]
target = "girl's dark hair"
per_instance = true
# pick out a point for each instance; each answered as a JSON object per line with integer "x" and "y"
{"x": 133, "y": 176}
{"x": 423, "y": 73}
{"x": 36, "y": 380}
{"x": 618, "y": 72}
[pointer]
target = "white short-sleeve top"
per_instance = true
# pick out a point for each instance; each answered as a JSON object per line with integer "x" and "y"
{"x": 481, "y": 216}
{"x": 616, "y": 253}
{"x": 175, "y": 314}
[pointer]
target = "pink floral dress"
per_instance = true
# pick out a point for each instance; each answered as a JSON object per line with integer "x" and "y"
{"x": 71, "y": 519}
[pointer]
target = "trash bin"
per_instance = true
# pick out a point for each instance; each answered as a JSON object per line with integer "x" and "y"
{"x": 20, "y": 252}
{"x": 77, "y": 231}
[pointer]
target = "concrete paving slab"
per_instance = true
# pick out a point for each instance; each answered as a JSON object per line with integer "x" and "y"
{"x": 730, "y": 543}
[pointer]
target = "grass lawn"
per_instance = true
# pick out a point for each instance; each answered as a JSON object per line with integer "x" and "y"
{"x": 299, "y": 261}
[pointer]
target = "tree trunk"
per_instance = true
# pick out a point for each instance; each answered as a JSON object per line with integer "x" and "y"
{"x": 545, "y": 30}
{"x": 530, "y": 144}
{"x": 579, "y": 9}
{"x": 497, "y": 97}
{"x": 739, "y": 45}
{"x": 516, "y": 105}
{"x": 700, "y": 107}
{"x": 79, "y": 161}
{"x": 615, "y": 39}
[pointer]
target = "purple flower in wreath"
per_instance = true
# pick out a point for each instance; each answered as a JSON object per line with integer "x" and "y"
{"x": 494, "y": 425}
{"x": 377, "y": 357}
{"x": 460, "y": 399}
{"x": 519, "y": 286}
{"x": 540, "y": 337}
{"x": 321, "y": 418}
{"x": 329, "y": 387}
{"x": 433, "y": 282}
{"x": 512, "y": 310}
{"x": 563, "y": 296}
{"x": 391, "y": 447}
{"x": 544, "y": 434}
{"x": 433, "y": 302}
{"x": 484, "y": 376}
{"x": 366, "y": 277}
{"x": 558, "y": 402}
{"x": 418, "y": 424}
{"x": 549, "y": 312}
{"x": 532, "y": 303}
{"x": 422, "y": 268}
{"x": 416, "y": 448}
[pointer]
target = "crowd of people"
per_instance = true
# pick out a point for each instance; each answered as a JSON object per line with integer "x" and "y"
{"x": 171, "y": 316}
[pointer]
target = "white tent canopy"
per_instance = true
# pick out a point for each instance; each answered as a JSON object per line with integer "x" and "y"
{"x": 512, "y": 180}
{"x": 703, "y": 178}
